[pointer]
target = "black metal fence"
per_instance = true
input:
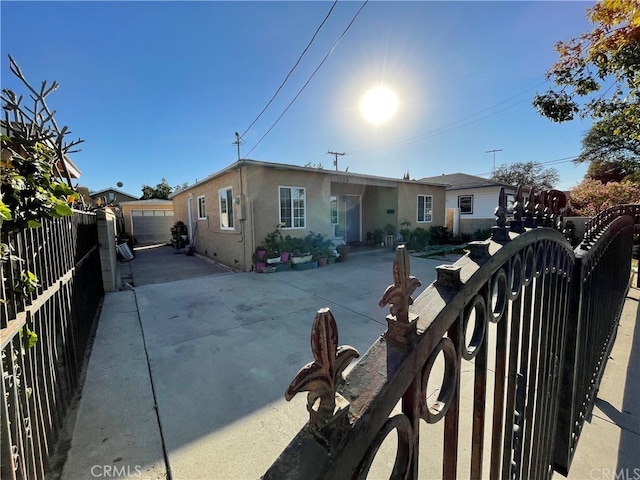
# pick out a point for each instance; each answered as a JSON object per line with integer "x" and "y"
{"x": 39, "y": 378}
{"x": 515, "y": 335}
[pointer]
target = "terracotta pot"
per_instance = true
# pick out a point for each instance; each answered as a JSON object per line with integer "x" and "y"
{"x": 322, "y": 261}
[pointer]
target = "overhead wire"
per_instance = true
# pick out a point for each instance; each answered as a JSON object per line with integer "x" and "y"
{"x": 292, "y": 69}
{"x": 310, "y": 77}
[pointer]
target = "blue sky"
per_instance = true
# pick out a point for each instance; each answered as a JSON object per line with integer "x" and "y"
{"x": 157, "y": 89}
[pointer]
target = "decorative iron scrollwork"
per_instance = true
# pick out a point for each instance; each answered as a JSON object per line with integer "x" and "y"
{"x": 321, "y": 377}
{"x": 539, "y": 209}
{"x": 398, "y": 296}
{"x": 499, "y": 232}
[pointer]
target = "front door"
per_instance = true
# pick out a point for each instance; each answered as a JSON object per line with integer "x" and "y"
{"x": 352, "y": 211}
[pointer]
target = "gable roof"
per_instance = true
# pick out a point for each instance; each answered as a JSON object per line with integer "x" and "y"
{"x": 460, "y": 181}
{"x": 284, "y": 166}
{"x": 115, "y": 190}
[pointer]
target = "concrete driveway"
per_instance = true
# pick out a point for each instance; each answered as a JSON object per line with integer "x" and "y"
{"x": 222, "y": 350}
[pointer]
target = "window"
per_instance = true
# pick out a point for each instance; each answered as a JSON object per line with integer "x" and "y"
{"x": 292, "y": 207}
{"x": 465, "y": 204}
{"x": 202, "y": 213}
{"x": 424, "y": 208}
{"x": 225, "y": 196}
{"x": 334, "y": 210}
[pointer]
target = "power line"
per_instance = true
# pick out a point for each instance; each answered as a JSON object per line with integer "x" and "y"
{"x": 309, "y": 80}
{"x": 292, "y": 69}
{"x": 549, "y": 162}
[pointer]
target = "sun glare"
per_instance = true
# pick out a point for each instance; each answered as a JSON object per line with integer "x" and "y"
{"x": 379, "y": 104}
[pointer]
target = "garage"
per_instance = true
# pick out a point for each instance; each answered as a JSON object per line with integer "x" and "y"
{"x": 149, "y": 221}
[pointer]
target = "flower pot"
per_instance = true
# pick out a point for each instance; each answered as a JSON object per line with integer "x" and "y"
{"x": 284, "y": 257}
{"x": 260, "y": 266}
{"x": 260, "y": 254}
{"x": 343, "y": 250}
{"x": 273, "y": 260}
{"x": 322, "y": 261}
{"x": 314, "y": 264}
{"x": 269, "y": 269}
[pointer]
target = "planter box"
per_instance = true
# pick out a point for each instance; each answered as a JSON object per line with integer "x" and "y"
{"x": 298, "y": 260}
{"x": 281, "y": 267}
{"x": 273, "y": 260}
{"x": 269, "y": 269}
{"x": 302, "y": 266}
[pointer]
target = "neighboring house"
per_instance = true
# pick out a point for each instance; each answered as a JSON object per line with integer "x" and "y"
{"x": 65, "y": 167}
{"x": 111, "y": 196}
{"x": 229, "y": 213}
{"x": 471, "y": 201}
{"x": 148, "y": 221}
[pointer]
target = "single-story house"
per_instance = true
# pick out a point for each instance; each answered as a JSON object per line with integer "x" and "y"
{"x": 148, "y": 221}
{"x": 229, "y": 213}
{"x": 111, "y": 196}
{"x": 470, "y": 201}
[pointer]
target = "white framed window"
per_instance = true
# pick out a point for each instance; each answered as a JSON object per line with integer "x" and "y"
{"x": 225, "y": 197}
{"x": 293, "y": 205}
{"x": 333, "y": 202}
{"x": 425, "y": 205}
{"x": 465, "y": 204}
{"x": 202, "y": 212}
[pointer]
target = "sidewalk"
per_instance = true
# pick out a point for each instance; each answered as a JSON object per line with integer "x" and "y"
{"x": 221, "y": 350}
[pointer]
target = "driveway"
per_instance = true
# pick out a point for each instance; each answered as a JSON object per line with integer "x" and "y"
{"x": 223, "y": 348}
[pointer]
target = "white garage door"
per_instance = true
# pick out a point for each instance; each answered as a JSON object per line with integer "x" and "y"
{"x": 151, "y": 226}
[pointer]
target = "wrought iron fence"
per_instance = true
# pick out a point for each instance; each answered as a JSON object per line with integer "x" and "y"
{"x": 40, "y": 378}
{"x": 532, "y": 319}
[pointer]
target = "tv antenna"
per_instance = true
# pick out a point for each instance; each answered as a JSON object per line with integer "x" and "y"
{"x": 494, "y": 158}
{"x": 336, "y": 154}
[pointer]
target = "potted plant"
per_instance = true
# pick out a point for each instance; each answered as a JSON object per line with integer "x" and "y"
{"x": 272, "y": 243}
{"x": 287, "y": 246}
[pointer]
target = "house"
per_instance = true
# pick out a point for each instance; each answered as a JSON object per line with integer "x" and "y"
{"x": 65, "y": 168}
{"x": 111, "y": 196}
{"x": 148, "y": 221}
{"x": 229, "y": 213}
{"x": 470, "y": 201}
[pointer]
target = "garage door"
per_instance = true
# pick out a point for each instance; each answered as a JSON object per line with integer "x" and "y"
{"x": 151, "y": 226}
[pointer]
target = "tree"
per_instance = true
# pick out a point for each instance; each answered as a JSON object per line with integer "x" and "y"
{"x": 611, "y": 157}
{"x": 608, "y": 56}
{"x": 592, "y": 196}
{"x": 162, "y": 191}
{"x": 531, "y": 174}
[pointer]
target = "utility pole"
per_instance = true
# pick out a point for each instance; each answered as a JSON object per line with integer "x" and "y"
{"x": 494, "y": 159}
{"x": 335, "y": 154}
{"x": 238, "y": 142}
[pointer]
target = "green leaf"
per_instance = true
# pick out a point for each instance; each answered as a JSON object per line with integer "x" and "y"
{"x": 5, "y": 213}
{"x": 30, "y": 339}
{"x": 63, "y": 210}
{"x": 33, "y": 224}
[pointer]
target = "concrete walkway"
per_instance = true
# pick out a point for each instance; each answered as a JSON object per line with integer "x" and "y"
{"x": 215, "y": 352}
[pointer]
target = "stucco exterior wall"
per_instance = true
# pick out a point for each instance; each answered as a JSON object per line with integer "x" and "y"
{"x": 263, "y": 193}
{"x": 224, "y": 245}
{"x": 408, "y": 204}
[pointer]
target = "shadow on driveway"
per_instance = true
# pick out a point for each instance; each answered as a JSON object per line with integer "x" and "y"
{"x": 163, "y": 263}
